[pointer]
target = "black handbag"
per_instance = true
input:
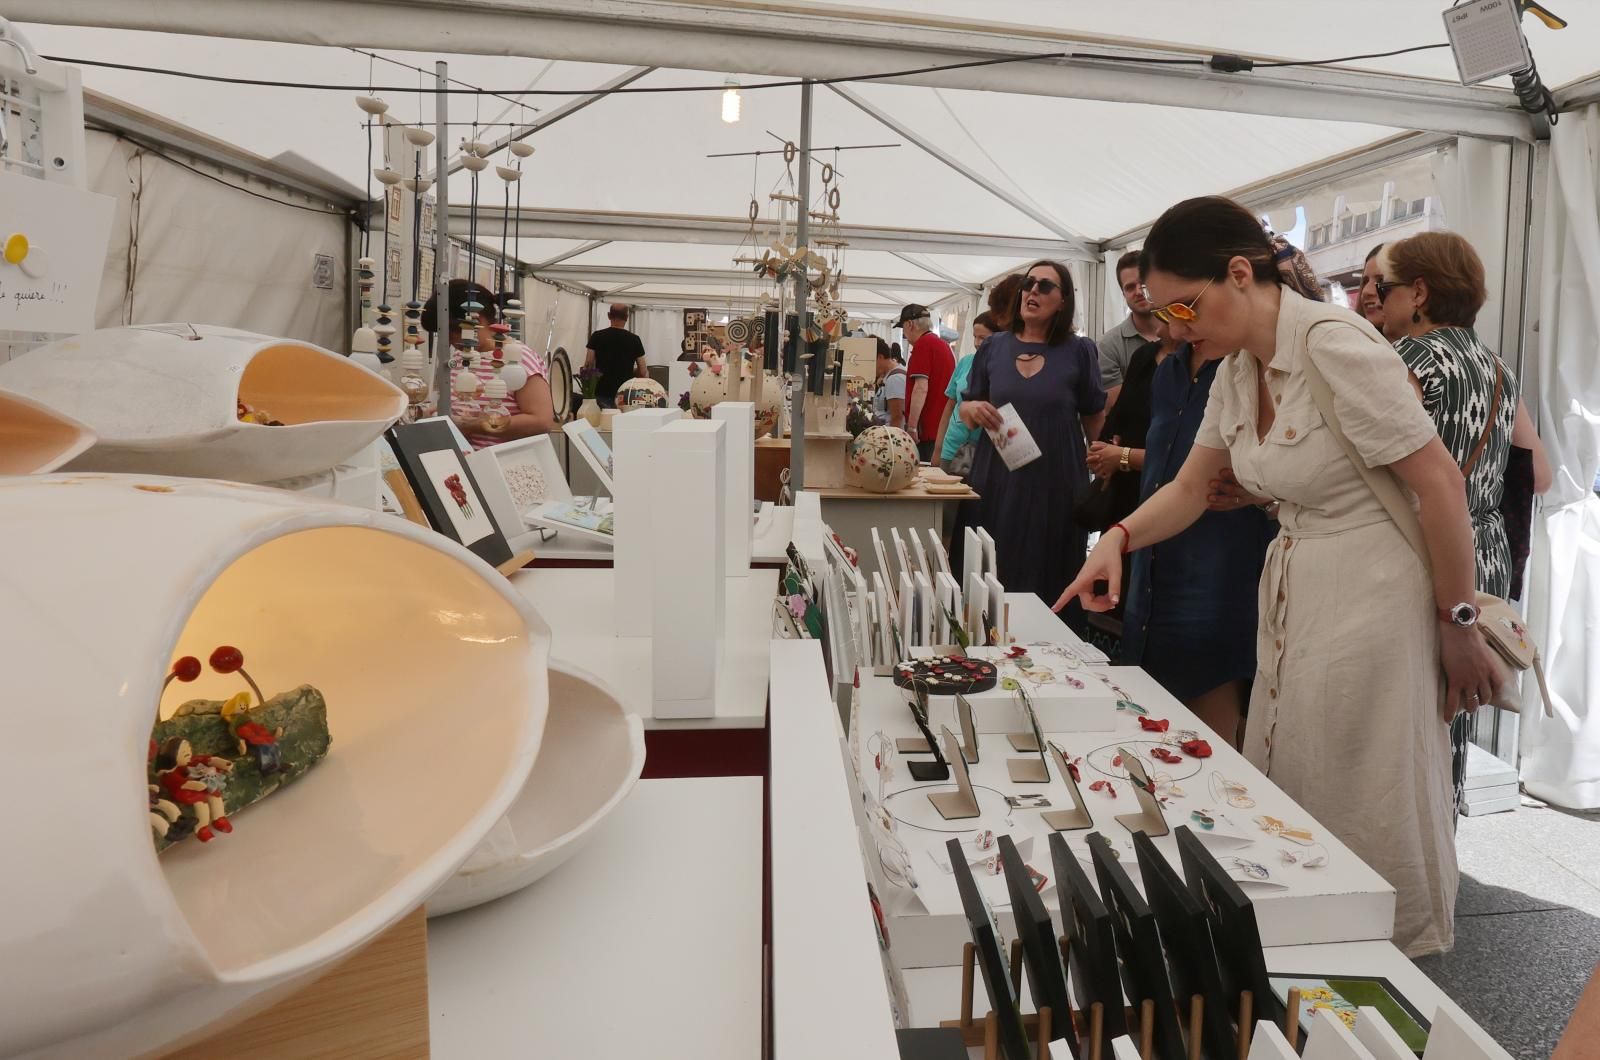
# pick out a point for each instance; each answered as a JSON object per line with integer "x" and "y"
{"x": 1516, "y": 511}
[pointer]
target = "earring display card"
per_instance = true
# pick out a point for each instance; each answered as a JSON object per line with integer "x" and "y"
{"x": 1076, "y": 818}
{"x": 928, "y": 618}
{"x": 1191, "y": 955}
{"x": 997, "y": 608}
{"x": 991, "y": 563}
{"x": 1233, "y": 925}
{"x": 1144, "y": 966}
{"x": 1149, "y": 819}
{"x": 920, "y": 555}
{"x": 977, "y": 607}
{"x": 1091, "y": 942}
{"x": 445, "y": 488}
{"x": 971, "y": 555}
{"x": 990, "y": 958}
{"x": 937, "y": 552}
{"x": 1041, "y": 956}
{"x": 908, "y": 614}
{"x": 951, "y": 602}
{"x": 884, "y": 608}
{"x": 900, "y": 554}
{"x": 963, "y": 802}
{"x": 883, "y": 557}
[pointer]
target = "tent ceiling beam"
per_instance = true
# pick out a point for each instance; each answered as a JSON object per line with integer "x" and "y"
{"x": 723, "y": 299}
{"x": 582, "y": 248}
{"x": 630, "y": 274}
{"x": 762, "y": 39}
{"x": 536, "y": 223}
{"x": 942, "y": 273}
{"x": 1578, "y": 93}
{"x": 1306, "y": 178}
{"x": 1010, "y": 198}
{"x": 566, "y": 110}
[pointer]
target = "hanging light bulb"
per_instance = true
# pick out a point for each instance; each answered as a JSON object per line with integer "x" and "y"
{"x": 730, "y": 102}
{"x": 495, "y": 415}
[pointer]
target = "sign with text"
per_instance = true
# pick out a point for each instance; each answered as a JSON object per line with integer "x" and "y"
{"x": 54, "y": 239}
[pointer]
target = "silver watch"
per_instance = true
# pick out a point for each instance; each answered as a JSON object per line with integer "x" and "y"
{"x": 1463, "y": 615}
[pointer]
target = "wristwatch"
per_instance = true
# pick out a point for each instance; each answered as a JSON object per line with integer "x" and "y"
{"x": 1124, "y": 464}
{"x": 1463, "y": 616}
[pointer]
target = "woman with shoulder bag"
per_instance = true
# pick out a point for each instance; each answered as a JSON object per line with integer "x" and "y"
{"x": 1346, "y": 713}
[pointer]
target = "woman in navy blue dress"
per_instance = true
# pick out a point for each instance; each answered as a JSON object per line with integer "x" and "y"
{"x": 1190, "y": 611}
{"x": 1052, "y": 377}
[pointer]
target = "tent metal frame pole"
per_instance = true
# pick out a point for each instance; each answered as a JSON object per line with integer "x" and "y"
{"x": 944, "y": 274}
{"x": 593, "y": 244}
{"x": 603, "y": 274}
{"x": 1016, "y": 202}
{"x": 802, "y": 237}
{"x": 441, "y": 238}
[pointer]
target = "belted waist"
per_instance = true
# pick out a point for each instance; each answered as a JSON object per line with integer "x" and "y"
{"x": 1297, "y": 522}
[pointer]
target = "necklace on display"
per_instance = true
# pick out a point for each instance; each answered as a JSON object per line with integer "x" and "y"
{"x": 1232, "y": 792}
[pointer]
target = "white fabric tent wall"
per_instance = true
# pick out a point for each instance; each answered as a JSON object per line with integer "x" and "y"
{"x": 210, "y": 254}
{"x": 1473, "y": 178}
{"x": 1561, "y": 755}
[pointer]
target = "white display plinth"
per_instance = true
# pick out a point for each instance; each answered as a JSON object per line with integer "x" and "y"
{"x": 632, "y": 505}
{"x": 688, "y": 572}
{"x": 739, "y": 455}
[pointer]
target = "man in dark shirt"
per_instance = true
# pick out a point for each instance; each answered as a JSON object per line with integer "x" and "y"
{"x": 617, "y": 352}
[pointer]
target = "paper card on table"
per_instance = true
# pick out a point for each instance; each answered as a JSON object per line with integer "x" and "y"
{"x": 928, "y": 617}
{"x": 936, "y": 551}
{"x": 991, "y": 562}
{"x": 882, "y": 556}
{"x": 1013, "y": 441}
{"x": 61, "y": 233}
{"x": 908, "y": 613}
{"x": 900, "y": 553}
{"x": 883, "y": 608}
{"x": 977, "y": 607}
{"x": 971, "y": 554}
{"x": 919, "y": 554}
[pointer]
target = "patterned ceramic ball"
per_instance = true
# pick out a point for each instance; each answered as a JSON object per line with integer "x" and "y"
{"x": 881, "y": 460}
{"x": 641, "y": 394}
{"x": 710, "y": 389}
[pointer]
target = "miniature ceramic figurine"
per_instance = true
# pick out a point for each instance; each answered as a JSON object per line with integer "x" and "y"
{"x": 195, "y": 782}
{"x": 254, "y": 738}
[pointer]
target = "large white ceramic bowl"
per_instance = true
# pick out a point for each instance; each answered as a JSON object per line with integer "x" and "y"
{"x": 163, "y": 400}
{"x": 591, "y": 757}
{"x": 36, "y": 438}
{"x": 434, "y": 670}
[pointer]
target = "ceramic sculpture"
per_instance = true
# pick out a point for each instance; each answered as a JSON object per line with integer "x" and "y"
{"x": 881, "y": 460}
{"x": 165, "y": 399}
{"x": 710, "y": 386}
{"x": 434, "y": 673}
{"x": 594, "y": 755}
{"x": 643, "y": 393}
{"x": 35, "y": 438}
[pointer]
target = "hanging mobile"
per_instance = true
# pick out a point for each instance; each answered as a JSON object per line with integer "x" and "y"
{"x": 365, "y": 339}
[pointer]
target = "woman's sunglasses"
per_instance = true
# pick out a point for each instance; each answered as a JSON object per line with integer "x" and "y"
{"x": 1181, "y": 312}
{"x": 1383, "y": 288}
{"x": 1044, "y": 287}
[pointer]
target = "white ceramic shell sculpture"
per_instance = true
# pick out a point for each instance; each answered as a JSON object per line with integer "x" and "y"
{"x": 641, "y": 393}
{"x": 164, "y": 400}
{"x": 434, "y": 671}
{"x": 881, "y": 460}
{"x": 36, "y": 438}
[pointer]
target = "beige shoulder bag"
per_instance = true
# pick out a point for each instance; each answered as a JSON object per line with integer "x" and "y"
{"x": 1498, "y": 621}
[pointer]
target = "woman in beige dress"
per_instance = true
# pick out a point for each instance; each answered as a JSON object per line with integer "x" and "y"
{"x": 1346, "y": 714}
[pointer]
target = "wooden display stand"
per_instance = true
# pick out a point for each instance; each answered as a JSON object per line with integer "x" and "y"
{"x": 1090, "y": 1025}
{"x": 372, "y": 1006}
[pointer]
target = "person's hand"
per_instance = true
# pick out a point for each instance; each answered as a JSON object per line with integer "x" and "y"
{"x": 1105, "y": 458}
{"x": 469, "y": 424}
{"x": 1472, "y": 673}
{"x": 1224, "y": 494}
{"x": 981, "y": 414}
{"x": 1103, "y": 564}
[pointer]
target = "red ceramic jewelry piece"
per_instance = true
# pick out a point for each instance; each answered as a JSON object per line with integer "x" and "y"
{"x": 1196, "y": 748}
{"x": 227, "y": 659}
{"x": 1164, "y": 755}
{"x": 1154, "y": 724}
{"x": 186, "y": 668}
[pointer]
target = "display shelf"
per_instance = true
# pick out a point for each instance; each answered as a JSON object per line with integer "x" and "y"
{"x": 1342, "y": 902}
{"x": 647, "y": 943}
{"x": 774, "y": 529}
{"x": 579, "y": 606}
{"x": 824, "y": 947}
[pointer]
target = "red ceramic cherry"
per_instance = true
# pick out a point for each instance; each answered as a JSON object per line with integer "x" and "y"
{"x": 186, "y": 668}
{"x": 227, "y": 659}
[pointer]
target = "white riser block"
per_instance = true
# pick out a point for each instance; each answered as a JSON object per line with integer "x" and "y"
{"x": 688, "y": 572}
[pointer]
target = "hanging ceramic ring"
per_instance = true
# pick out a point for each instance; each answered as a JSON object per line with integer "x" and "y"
{"x": 755, "y": 210}
{"x": 827, "y": 172}
{"x": 833, "y": 198}
{"x": 789, "y": 151}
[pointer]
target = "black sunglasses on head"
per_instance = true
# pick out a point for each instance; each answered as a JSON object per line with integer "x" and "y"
{"x": 1043, "y": 286}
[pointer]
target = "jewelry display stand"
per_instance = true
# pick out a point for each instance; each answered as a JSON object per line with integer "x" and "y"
{"x": 969, "y": 730}
{"x": 373, "y": 1006}
{"x": 1029, "y": 770}
{"x": 963, "y": 802}
{"x": 739, "y": 477}
{"x": 1067, "y": 820}
{"x": 1149, "y": 819}
{"x": 689, "y": 574}
{"x": 634, "y": 536}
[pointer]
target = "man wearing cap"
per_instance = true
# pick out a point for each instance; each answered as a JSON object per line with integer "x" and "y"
{"x": 617, "y": 352}
{"x": 928, "y": 375}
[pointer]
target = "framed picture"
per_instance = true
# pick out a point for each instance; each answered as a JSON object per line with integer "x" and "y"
{"x": 1144, "y": 965}
{"x": 532, "y": 472}
{"x": 984, "y": 929}
{"x": 594, "y": 450}
{"x": 1091, "y": 942}
{"x": 1041, "y": 956}
{"x": 446, "y": 488}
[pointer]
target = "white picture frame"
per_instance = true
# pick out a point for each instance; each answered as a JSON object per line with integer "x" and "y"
{"x": 920, "y": 554}
{"x": 492, "y": 486}
{"x": 588, "y": 444}
{"x": 930, "y": 625}
{"x": 937, "y": 553}
{"x": 883, "y": 556}
{"x": 539, "y": 452}
{"x": 900, "y": 554}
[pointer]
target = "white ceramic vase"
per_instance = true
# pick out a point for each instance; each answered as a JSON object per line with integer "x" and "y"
{"x": 591, "y": 412}
{"x": 35, "y": 438}
{"x": 163, "y": 401}
{"x": 434, "y": 672}
{"x": 881, "y": 460}
{"x": 591, "y": 757}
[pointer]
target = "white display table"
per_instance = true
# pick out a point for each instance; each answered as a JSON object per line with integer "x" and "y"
{"x": 578, "y": 605}
{"x": 647, "y": 943}
{"x": 774, "y": 529}
{"x": 1342, "y": 902}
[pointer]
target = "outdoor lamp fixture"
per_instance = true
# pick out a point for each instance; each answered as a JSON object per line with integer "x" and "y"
{"x": 730, "y": 102}
{"x": 1487, "y": 42}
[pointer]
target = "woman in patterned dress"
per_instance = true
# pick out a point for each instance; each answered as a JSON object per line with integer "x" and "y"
{"x": 1355, "y": 642}
{"x": 1430, "y": 288}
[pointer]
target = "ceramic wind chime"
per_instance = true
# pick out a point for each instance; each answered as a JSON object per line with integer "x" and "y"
{"x": 384, "y": 328}
{"x": 414, "y": 362}
{"x": 365, "y": 340}
{"x": 514, "y": 313}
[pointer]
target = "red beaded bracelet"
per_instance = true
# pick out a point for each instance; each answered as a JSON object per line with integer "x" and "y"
{"x": 1127, "y": 538}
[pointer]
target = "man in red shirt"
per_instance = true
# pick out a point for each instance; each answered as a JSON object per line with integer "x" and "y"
{"x": 928, "y": 375}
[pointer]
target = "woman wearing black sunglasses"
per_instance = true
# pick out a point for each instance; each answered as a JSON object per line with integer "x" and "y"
{"x": 1346, "y": 714}
{"x": 1052, "y": 378}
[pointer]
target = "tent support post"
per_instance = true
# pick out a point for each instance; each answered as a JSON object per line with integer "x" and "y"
{"x": 441, "y": 236}
{"x": 797, "y": 421}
